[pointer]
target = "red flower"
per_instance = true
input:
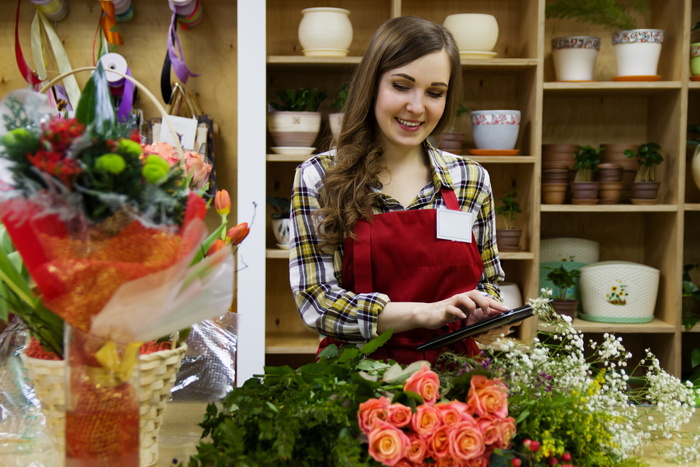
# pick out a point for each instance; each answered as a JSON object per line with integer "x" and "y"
{"x": 55, "y": 164}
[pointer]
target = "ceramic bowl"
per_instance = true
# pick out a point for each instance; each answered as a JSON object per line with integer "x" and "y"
{"x": 473, "y": 31}
{"x": 495, "y": 129}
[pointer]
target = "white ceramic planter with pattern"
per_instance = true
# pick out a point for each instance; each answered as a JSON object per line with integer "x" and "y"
{"x": 495, "y": 129}
{"x": 637, "y": 51}
{"x": 575, "y": 57}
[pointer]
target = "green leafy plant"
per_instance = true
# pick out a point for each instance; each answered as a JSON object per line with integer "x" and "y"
{"x": 691, "y": 298}
{"x": 563, "y": 280}
{"x": 648, "y": 156}
{"x": 509, "y": 208}
{"x": 340, "y": 98}
{"x": 614, "y": 14}
{"x": 299, "y": 100}
{"x": 587, "y": 160}
{"x": 280, "y": 206}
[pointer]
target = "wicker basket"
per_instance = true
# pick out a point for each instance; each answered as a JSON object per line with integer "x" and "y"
{"x": 157, "y": 376}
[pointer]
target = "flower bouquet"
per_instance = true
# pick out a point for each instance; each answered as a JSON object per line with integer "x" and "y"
{"x": 114, "y": 241}
{"x": 555, "y": 401}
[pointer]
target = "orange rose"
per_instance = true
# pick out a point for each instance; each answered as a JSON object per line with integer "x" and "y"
{"x": 371, "y": 411}
{"x": 447, "y": 461}
{"x": 453, "y": 412}
{"x": 488, "y": 397}
{"x": 507, "y": 428}
{"x": 399, "y": 415}
{"x": 466, "y": 442}
{"x": 490, "y": 428}
{"x": 387, "y": 444}
{"x": 424, "y": 382}
{"x": 482, "y": 461}
{"x": 440, "y": 442}
{"x": 425, "y": 420}
{"x": 404, "y": 463}
{"x": 418, "y": 450}
{"x": 197, "y": 168}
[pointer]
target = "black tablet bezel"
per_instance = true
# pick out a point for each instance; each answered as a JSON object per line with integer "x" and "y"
{"x": 503, "y": 319}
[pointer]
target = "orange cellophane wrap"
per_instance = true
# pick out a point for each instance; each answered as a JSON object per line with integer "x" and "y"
{"x": 78, "y": 270}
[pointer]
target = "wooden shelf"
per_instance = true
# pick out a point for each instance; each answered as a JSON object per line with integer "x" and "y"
{"x": 306, "y": 343}
{"x": 609, "y": 208}
{"x": 522, "y": 255}
{"x": 279, "y": 158}
{"x": 654, "y": 327}
{"x": 277, "y": 253}
{"x": 524, "y": 159}
{"x": 692, "y": 206}
{"x": 695, "y": 328}
{"x": 611, "y": 88}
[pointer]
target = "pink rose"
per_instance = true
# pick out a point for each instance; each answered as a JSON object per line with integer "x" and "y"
{"x": 399, "y": 415}
{"x": 490, "y": 428}
{"x": 387, "y": 444}
{"x": 425, "y": 420}
{"x": 488, "y": 397}
{"x": 371, "y": 411}
{"x": 197, "y": 168}
{"x": 424, "y": 382}
{"x": 447, "y": 461}
{"x": 165, "y": 151}
{"x": 440, "y": 442}
{"x": 466, "y": 442}
{"x": 482, "y": 461}
{"x": 418, "y": 450}
{"x": 507, "y": 428}
{"x": 404, "y": 463}
{"x": 453, "y": 412}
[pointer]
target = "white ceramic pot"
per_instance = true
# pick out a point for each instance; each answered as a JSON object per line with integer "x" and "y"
{"x": 473, "y": 32}
{"x": 510, "y": 294}
{"x": 495, "y": 129}
{"x": 294, "y": 128}
{"x": 695, "y": 166}
{"x": 325, "y": 32}
{"x": 637, "y": 51}
{"x": 574, "y": 57}
{"x": 335, "y": 121}
{"x": 280, "y": 228}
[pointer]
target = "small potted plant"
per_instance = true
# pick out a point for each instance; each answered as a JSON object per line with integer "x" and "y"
{"x": 294, "y": 119}
{"x": 335, "y": 119}
{"x": 564, "y": 280}
{"x": 583, "y": 189}
{"x": 508, "y": 238}
{"x": 453, "y": 139}
{"x": 280, "y": 219}
{"x": 645, "y": 187}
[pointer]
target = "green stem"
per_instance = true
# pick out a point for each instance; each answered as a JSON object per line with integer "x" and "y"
{"x": 16, "y": 289}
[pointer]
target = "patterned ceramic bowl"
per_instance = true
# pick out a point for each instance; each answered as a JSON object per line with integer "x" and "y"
{"x": 495, "y": 129}
{"x": 576, "y": 42}
{"x": 634, "y": 36}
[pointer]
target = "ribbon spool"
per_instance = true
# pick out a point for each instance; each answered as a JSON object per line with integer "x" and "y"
{"x": 188, "y": 12}
{"x": 123, "y": 9}
{"x": 54, "y": 10}
{"x": 119, "y": 86}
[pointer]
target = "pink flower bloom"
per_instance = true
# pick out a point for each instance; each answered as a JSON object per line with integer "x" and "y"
{"x": 371, "y": 411}
{"x": 447, "y": 461}
{"x": 424, "y": 382}
{"x": 440, "y": 441}
{"x": 453, "y": 412}
{"x": 404, "y": 463}
{"x": 399, "y": 415}
{"x": 197, "y": 168}
{"x": 425, "y": 420}
{"x": 507, "y": 428}
{"x": 165, "y": 151}
{"x": 466, "y": 442}
{"x": 418, "y": 450}
{"x": 388, "y": 444}
{"x": 490, "y": 428}
{"x": 488, "y": 397}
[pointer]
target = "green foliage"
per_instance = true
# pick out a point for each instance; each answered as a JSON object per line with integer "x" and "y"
{"x": 280, "y": 206}
{"x": 563, "y": 279}
{"x": 587, "y": 160}
{"x": 691, "y": 298}
{"x": 299, "y": 100}
{"x": 342, "y": 96}
{"x": 613, "y": 14}
{"x": 648, "y": 156}
{"x": 509, "y": 208}
{"x": 302, "y": 417}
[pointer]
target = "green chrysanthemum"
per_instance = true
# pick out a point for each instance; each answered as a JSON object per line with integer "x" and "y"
{"x": 155, "y": 169}
{"x": 110, "y": 163}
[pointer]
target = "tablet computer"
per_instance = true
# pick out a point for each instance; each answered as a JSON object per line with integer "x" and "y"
{"x": 503, "y": 319}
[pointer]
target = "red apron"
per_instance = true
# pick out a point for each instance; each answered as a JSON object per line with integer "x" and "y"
{"x": 398, "y": 254}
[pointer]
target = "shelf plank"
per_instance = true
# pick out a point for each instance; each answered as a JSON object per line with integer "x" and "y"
{"x": 306, "y": 343}
{"x": 279, "y": 158}
{"x": 695, "y": 328}
{"x": 692, "y": 206}
{"x": 277, "y": 253}
{"x": 303, "y": 60}
{"x": 522, "y": 255}
{"x": 524, "y": 159}
{"x": 654, "y": 327}
{"x": 496, "y": 65}
{"x": 604, "y": 88}
{"x": 608, "y": 208}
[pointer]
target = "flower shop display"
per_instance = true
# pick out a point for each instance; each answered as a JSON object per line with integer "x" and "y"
{"x": 556, "y": 400}
{"x": 113, "y": 239}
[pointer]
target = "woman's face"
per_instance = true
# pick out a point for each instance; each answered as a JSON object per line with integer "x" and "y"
{"x": 411, "y": 100}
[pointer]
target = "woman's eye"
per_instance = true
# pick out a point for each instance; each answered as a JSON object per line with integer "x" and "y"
{"x": 400, "y": 87}
{"x": 436, "y": 94}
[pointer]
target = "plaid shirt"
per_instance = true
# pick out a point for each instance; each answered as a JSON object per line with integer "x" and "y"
{"x": 315, "y": 277}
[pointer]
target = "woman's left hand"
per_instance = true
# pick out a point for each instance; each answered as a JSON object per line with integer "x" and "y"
{"x": 489, "y": 337}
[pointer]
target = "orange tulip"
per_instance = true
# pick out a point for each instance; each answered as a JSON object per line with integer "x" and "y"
{"x": 216, "y": 246}
{"x": 222, "y": 202}
{"x": 238, "y": 233}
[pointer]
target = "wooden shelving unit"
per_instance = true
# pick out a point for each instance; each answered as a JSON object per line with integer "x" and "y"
{"x": 664, "y": 236}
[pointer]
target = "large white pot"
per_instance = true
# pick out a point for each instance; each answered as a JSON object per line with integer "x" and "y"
{"x": 473, "y": 32}
{"x": 637, "y": 51}
{"x": 325, "y": 32}
{"x": 495, "y": 129}
{"x": 574, "y": 57}
{"x": 280, "y": 229}
{"x": 294, "y": 128}
{"x": 695, "y": 166}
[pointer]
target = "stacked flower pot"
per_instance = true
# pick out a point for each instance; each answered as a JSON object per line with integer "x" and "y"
{"x": 557, "y": 172}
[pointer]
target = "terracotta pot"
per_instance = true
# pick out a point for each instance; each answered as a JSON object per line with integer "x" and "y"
{"x": 565, "y": 307}
{"x": 584, "y": 192}
{"x": 451, "y": 142}
{"x": 610, "y": 192}
{"x": 554, "y": 193}
{"x": 558, "y": 147}
{"x": 645, "y": 192}
{"x": 508, "y": 239}
{"x": 609, "y": 173}
{"x": 557, "y": 174}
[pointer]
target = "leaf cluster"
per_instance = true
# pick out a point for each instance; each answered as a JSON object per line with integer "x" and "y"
{"x": 691, "y": 297}
{"x": 563, "y": 279}
{"x": 280, "y": 206}
{"x": 302, "y": 417}
{"x": 648, "y": 156}
{"x": 340, "y": 98}
{"x": 587, "y": 160}
{"x": 509, "y": 208}
{"x": 613, "y": 14}
{"x": 299, "y": 100}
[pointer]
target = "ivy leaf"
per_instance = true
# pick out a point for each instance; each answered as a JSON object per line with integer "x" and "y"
{"x": 398, "y": 375}
{"x": 329, "y": 352}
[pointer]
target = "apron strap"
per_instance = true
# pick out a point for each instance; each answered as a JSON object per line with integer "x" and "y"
{"x": 363, "y": 257}
{"x": 448, "y": 195}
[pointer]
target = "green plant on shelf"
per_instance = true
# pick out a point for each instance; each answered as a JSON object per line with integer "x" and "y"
{"x": 587, "y": 160}
{"x": 509, "y": 208}
{"x": 299, "y": 100}
{"x": 648, "y": 155}
{"x": 563, "y": 280}
{"x": 613, "y": 14}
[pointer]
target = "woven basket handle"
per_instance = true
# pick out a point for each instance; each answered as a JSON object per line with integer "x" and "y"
{"x": 143, "y": 88}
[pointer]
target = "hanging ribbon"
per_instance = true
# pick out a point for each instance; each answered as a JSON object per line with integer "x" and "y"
{"x": 123, "y": 10}
{"x": 27, "y": 73}
{"x": 108, "y": 21}
{"x": 179, "y": 66}
{"x": 189, "y": 12}
{"x": 54, "y": 10}
{"x": 119, "y": 86}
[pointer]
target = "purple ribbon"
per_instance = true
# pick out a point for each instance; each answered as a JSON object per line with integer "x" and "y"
{"x": 125, "y": 106}
{"x": 179, "y": 66}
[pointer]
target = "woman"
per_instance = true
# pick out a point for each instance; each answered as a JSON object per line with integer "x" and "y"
{"x": 387, "y": 232}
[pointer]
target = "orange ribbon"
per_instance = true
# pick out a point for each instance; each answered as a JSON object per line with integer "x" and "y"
{"x": 108, "y": 21}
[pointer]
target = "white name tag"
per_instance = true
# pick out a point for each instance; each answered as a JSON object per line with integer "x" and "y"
{"x": 454, "y": 225}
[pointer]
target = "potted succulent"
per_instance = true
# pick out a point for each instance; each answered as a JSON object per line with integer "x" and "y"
{"x": 583, "y": 189}
{"x": 335, "y": 119}
{"x": 294, "y": 119}
{"x": 645, "y": 188}
{"x": 564, "y": 280}
{"x": 280, "y": 219}
{"x": 453, "y": 139}
{"x": 508, "y": 238}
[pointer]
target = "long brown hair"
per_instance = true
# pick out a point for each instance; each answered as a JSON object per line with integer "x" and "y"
{"x": 345, "y": 196}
